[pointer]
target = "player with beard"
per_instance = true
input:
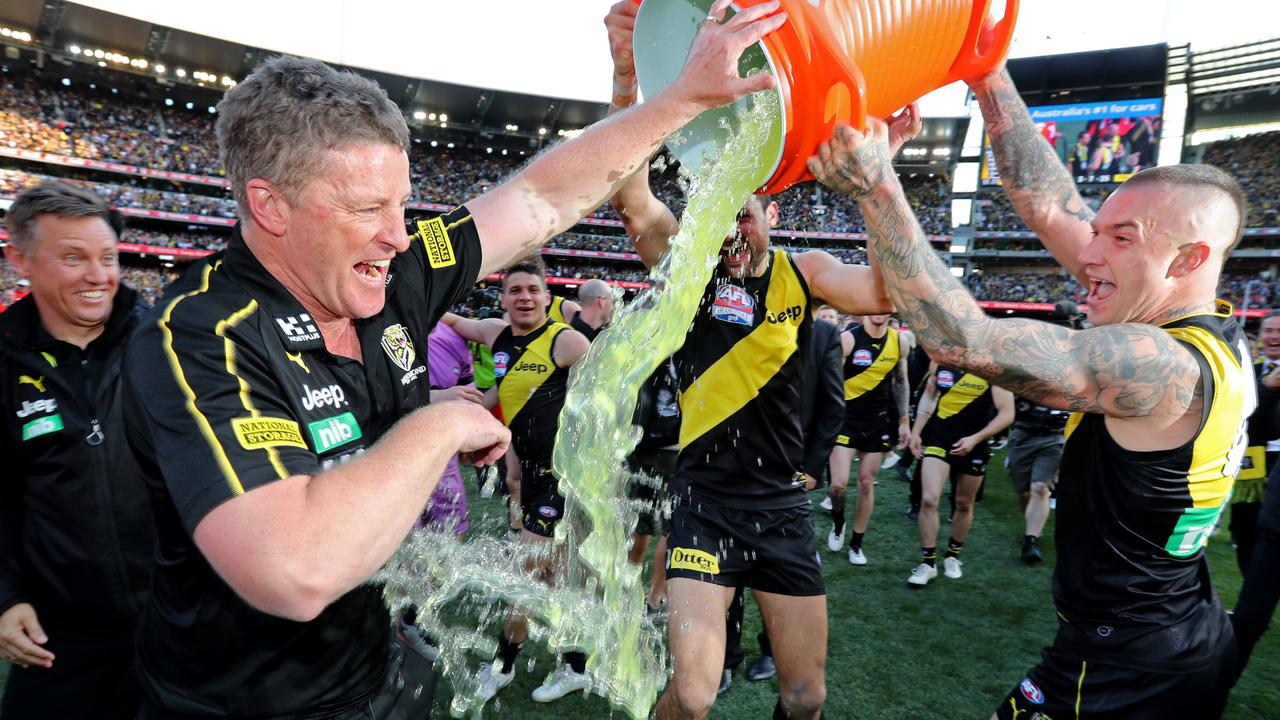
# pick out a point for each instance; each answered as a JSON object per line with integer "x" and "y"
{"x": 532, "y": 355}
{"x": 741, "y": 515}
{"x": 875, "y": 390}
{"x": 1160, "y": 389}
{"x": 595, "y": 308}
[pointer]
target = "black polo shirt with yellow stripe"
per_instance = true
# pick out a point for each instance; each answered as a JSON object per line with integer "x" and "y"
{"x": 231, "y": 388}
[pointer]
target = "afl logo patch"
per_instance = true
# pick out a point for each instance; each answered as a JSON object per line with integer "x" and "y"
{"x": 946, "y": 379}
{"x": 1031, "y": 692}
{"x": 862, "y": 357}
{"x": 500, "y": 362}
{"x": 547, "y": 511}
{"x": 733, "y": 305}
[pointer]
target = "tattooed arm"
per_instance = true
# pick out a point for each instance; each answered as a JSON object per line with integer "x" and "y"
{"x": 902, "y": 396}
{"x": 1123, "y": 370}
{"x": 1033, "y": 175}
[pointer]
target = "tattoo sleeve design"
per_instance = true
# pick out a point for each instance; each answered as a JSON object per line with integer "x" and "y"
{"x": 901, "y": 393}
{"x": 1032, "y": 173}
{"x": 1124, "y": 370}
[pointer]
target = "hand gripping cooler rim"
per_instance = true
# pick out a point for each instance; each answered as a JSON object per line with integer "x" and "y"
{"x": 806, "y": 40}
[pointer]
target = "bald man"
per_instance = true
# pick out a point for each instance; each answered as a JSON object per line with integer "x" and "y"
{"x": 1160, "y": 388}
{"x": 595, "y": 299}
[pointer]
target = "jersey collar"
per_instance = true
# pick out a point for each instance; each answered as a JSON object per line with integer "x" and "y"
{"x": 291, "y": 321}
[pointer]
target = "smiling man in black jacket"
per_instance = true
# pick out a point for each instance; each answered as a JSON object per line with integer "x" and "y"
{"x": 76, "y": 530}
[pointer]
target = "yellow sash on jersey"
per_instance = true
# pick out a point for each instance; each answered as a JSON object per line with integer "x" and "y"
{"x": 526, "y": 373}
{"x": 967, "y": 388}
{"x": 880, "y": 367}
{"x": 739, "y": 375}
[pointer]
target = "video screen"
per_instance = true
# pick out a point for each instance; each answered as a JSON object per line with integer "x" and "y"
{"x": 1102, "y": 142}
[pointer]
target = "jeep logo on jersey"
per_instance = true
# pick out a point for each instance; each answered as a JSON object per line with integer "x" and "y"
{"x": 332, "y": 395}
{"x": 500, "y": 362}
{"x": 531, "y": 367}
{"x": 331, "y": 432}
{"x": 299, "y": 329}
{"x": 39, "y": 406}
{"x": 946, "y": 379}
{"x": 862, "y": 357}
{"x": 395, "y": 340}
{"x": 790, "y": 314}
{"x": 733, "y": 305}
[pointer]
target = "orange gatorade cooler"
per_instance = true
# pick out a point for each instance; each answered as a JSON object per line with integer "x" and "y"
{"x": 835, "y": 61}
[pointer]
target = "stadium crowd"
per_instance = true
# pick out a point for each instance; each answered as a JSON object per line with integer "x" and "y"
{"x": 1255, "y": 163}
{"x": 13, "y": 181}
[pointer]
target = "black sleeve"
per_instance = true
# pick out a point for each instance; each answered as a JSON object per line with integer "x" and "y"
{"x": 448, "y": 254}
{"x": 12, "y": 585}
{"x": 828, "y": 408}
{"x": 1267, "y": 415}
{"x": 216, "y": 418}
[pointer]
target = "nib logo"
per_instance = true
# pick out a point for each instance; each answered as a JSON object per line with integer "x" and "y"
{"x": 331, "y": 432}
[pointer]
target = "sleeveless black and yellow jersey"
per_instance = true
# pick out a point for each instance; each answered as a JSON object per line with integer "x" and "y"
{"x": 530, "y": 390}
{"x": 869, "y": 374}
{"x": 1132, "y": 582}
{"x": 556, "y": 311}
{"x": 964, "y": 407}
{"x": 740, "y": 370}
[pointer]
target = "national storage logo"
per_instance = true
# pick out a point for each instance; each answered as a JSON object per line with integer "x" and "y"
{"x": 255, "y": 433}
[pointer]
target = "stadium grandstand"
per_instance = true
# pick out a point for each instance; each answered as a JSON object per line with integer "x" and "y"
{"x": 126, "y": 108}
{"x": 148, "y": 148}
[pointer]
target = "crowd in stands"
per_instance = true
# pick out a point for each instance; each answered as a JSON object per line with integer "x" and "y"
{"x": 1264, "y": 292}
{"x": 1254, "y": 161}
{"x": 13, "y": 181}
{"x": 26, "y": 120}
{"x": 597, "y": 243}
{"x": 994, "y": 212}
{"x": 98, "y": 122}
{"x": 188, "y": 240}
{"x": 558, "y": 267}
{"x": 1025, "y": 287}
{"x": 990, "y": 285}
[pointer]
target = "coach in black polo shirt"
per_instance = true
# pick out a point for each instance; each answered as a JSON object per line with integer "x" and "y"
{"x": 279, "y": 405}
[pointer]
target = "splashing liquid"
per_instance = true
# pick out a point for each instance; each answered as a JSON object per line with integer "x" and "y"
{"x": 599, "y": 607}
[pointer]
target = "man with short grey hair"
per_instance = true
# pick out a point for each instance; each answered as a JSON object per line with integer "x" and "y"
{"x": 595, "y": 297}
{"x": 282, "y": 404}
{"x": 76, "y": 530}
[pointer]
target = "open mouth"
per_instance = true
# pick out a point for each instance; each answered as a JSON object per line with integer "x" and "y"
{"x": 735, "y": 252}
{"x": 373, "y": 271}
{"x": 1100, "y": 290}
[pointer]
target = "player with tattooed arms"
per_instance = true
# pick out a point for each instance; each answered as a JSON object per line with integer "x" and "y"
{"x": 1159, "y": 387}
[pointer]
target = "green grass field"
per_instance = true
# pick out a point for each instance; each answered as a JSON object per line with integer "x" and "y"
{"x": 950, "y": 650}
